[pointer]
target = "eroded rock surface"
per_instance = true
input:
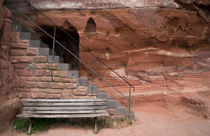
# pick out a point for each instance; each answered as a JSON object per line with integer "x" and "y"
{"x": 8, "y": 81}
{"x": 159, "y": 50}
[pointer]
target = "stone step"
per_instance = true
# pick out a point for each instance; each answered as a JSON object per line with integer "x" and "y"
{"x": 113, "y": 104}
{"x": 92, "y": 89}
{"x": 34, "y": 43}
{"x": 121, "y": 111}
{"x": 63, "y": 67}
{"x": 57, "y": 59}
{"x": 37, "y": 43}
{"x": 83, "y": 81}
{"x": 44, "y": 51}
{"x": 73, "y": 74}
{"x": 25, "y": 35}
{"x": 102, "y": 94}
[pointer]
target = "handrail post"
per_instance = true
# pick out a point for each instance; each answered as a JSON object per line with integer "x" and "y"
{"x": 53, "y": 51}
{"x": 130, "y": 118}
{"x": 93, "y": 64}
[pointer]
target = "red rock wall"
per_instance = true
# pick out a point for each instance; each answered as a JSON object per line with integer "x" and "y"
{"x": 158, "y": 50}
{"x": 8, "y": 81}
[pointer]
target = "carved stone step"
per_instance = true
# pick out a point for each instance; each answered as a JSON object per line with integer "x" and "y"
{"x": 73, "y": 74}
{"x": 25, "y": 35}
{"x": 44, "y": 51}
{"x": 63, "y": 66}
{"x": 92, "y": 89}
{"x": 35, "y": 43}
{"x": 82, "y": 81}
{"x": 113, "y": 104}
{"x": 121, "y": 111}
{"x": 102, "y": 94}
{"x": 57, "y": 59}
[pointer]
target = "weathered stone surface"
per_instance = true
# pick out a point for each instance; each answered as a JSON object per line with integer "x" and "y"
{"x": 94, "y": 4}
{"x": 8, "y": 82}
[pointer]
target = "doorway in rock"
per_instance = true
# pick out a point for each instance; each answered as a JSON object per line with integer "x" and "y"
{"x": 69, "y": 40}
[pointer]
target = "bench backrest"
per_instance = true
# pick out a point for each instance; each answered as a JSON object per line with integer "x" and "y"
{"x": 66, "y": 108}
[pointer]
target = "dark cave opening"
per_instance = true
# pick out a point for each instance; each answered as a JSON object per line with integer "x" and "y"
{"x": 70, "y": 40}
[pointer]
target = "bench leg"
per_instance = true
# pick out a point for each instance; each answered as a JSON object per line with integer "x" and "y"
{"x": 30, "y": 126}
{"x": 96, "y": 125}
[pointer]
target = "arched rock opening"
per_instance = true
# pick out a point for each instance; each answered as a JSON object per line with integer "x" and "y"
{"x": 71, "y": 42}
{"x": 90, "y": 27}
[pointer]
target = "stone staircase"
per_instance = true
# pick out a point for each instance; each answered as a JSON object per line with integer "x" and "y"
{"x": 42, "y": 77}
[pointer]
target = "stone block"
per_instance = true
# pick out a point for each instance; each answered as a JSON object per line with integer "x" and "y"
{"x": 34, "y": 43}
{"x": 70, "y": 85}
{"x": 18, "y": 52}
{"x": 24, "y": 73}
{"x": 73, "y": 74}
{"x": 25, "y": 59}
{"x": 60, "y": 73}
{"x": 57, "y": 85}
{"x": 19, "y": 46}
{"x": 121, "y": 111}
{"x": 63, "y": 66}
{"x": 113, "y": 104}
{"x": 69, "y": 80}
{"x": 31, "y": 78}
{"x": 42, "y": 84}
{"x": 32, "y": 52}
{"x": 101, "y": 95}
{"x": 51, "y": 91}
{"x": 44, "y": 51}
{"x": 19, "y": 66}
{"x": 80, "y": 91}
{"x": 25, "y": 35}
{"x": 54, "y": 96}
{"x": 46, "y": 66}
{"x": 57, "y": 59}
{"x": 40, "y": 59}
{"x": 30, "y": 84}
{"x": 46, "y": 79}
{"x": 92, "y": 89}
{"x": 39, "y": 95}
{"x": 42, "y": 73}
{"x": 15, "y": 59}
{"x": 82, "y": 81}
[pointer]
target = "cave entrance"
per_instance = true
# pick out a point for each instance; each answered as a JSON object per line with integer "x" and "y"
{"x": 71, "y": 42}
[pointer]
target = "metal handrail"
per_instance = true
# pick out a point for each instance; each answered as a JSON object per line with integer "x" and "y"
{"x": 81, "y": 45}
{"x": 86, "y": 65}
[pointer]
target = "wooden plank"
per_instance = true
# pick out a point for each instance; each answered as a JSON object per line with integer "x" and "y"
{"x": 63, "y": 116}
{"x": 64, "y": 108}
{"x": 33, "y": 104}
{"x": 64, "y": 100}
{"x": 64, "y": 112}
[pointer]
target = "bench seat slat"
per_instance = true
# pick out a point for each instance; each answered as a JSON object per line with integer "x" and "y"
{"x": 64, "y": 112}
{"x": 35, "y": 104}
{"x": 64, "y": 100}
{"x": 64, "y": 108}
{"x": 63, "y": 116}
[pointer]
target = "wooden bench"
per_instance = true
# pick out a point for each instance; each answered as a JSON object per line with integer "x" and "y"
{"x": 64, "y": 108}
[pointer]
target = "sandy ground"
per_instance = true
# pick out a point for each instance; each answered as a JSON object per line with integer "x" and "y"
{"x": 157, "y": 117}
